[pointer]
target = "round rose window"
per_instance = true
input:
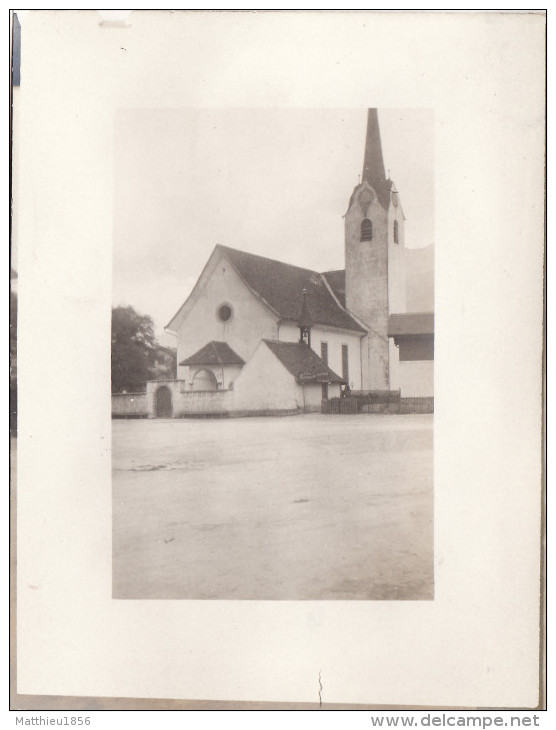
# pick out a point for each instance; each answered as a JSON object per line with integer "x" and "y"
{"x": 224, "y": 313}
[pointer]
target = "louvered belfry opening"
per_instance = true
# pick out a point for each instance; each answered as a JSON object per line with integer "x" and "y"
{"x": 366, "y": 230}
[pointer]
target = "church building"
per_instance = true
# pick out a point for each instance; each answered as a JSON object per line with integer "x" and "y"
{"x": 260, "y": 336}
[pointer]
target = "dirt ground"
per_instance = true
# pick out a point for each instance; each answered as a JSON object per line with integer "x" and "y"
{"x": 310, "y": 507}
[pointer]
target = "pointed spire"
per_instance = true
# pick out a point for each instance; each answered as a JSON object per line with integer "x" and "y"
{"x": 373, "y": 164}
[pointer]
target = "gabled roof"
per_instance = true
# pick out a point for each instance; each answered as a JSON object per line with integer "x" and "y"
{"x": 411, "y": 323}
{"x": 337, "y": 282}
{"x": 214, "y": 353}
{"x": 302, "y": 362}
{"x": 280, "y": 286}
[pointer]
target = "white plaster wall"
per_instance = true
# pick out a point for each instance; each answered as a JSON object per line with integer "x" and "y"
{"x": 251, "y": 320}
{"x": 416, "y": 378}
{"x": 396, "y": 261}
{"x": 289, "y": 332}
{"x": 335, "y": 340}
{"x": 265, "y": 385}
{"x": 229, "y": 374}
{"x": 312, "y": 397}
{"x": 394, "y": 357}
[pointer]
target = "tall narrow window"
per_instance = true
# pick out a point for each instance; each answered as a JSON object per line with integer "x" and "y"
{"x": 396, "y": 238}
{"x": 324, "y": 352}
{"x": 366, "y": 230}
{"x": 345, "y": 363}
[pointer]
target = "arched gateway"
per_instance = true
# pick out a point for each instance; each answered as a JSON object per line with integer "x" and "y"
{"x": 163, "y": 403}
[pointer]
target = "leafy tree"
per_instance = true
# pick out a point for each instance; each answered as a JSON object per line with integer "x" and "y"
{"x": 165, "y": 363}
{"x": 136, "y": 355}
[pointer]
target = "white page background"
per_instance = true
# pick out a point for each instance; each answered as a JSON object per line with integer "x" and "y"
{"x": 476, "y": 644}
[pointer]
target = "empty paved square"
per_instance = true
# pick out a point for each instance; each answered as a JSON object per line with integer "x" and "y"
{"x": 308, "y": 507}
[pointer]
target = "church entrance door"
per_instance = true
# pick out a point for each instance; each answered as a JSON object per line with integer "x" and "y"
{"x": 163, "y": 403}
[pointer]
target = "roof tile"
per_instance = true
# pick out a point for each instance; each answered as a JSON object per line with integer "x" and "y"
{"x": 337, "y": 282}
{"x": 214, "y": 353}
{"x": 302, "y": 362}
{"x": 411, "y": 323}
{"x": 281, "y": 286}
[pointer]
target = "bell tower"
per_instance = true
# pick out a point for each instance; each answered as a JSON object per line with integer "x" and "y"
{"x": 375, "y": 281}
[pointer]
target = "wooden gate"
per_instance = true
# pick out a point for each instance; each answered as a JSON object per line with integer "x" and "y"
{"x": 163, "y": 403}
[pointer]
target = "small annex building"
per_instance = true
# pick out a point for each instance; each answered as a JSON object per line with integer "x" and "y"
{"x": 260, "y": 336}
{"x": 300, "y": 376}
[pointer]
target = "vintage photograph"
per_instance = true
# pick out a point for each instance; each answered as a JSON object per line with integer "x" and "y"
{"x": 273, "y": 355}
{"x": 277, "y": 347}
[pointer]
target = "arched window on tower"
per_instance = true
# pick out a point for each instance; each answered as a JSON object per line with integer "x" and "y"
{"x": 396, "y": 234}
{"x": 366, "y": 230}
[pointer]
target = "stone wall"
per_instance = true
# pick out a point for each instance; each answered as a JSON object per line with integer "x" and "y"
{"x": 203, "y": 403}
{"x": 253, "y": 397}
{"x": 189, "y": 402}
{"x": 129, "y": 405}
{"x": 176, "y": 387}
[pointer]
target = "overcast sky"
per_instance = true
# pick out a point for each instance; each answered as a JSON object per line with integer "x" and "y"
{"x": 275, "y": 182}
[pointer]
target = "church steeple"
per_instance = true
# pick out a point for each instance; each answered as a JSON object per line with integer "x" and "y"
{"x": 373, "y": 163}
{"x": 373, "y": 250}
